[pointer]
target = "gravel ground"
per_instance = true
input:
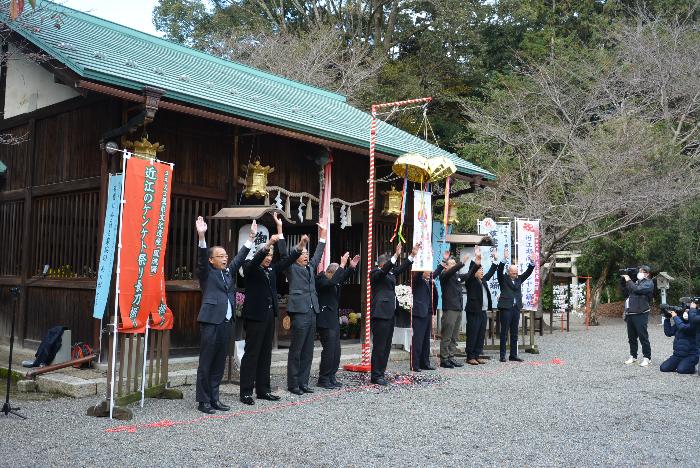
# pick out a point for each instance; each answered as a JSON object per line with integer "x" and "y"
{"x": 575, "y": 404}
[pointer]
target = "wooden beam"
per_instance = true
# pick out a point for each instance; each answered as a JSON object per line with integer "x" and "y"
{"x": 26, "y": 233}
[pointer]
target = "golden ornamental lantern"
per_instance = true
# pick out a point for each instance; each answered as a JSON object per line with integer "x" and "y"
{"x": 256, "y": 179}
{"x": 452, "y": 216}
{"x": 392, "y": 202}
{"x": 143, "y": 148}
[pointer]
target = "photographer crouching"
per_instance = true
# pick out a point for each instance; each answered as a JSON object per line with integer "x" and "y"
{"x": 638, "y": 293}
{"x": 684, "y": 329}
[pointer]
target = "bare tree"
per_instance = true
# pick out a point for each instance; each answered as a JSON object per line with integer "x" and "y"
{"x": 597, "y": 141}
{"x": 320, "y": 57}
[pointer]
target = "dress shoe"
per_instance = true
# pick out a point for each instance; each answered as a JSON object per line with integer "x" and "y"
{"x": 205, "y": 408}
{"x": 428, "y": 367}
{"x": 336, "y": 384}
{"x": 483, "y": 356}
{"x": 217, "y": 405}
{"x": 447, "y": 365}
{"x": 326, "y": 385}
{"x": 455, "y": 363}
{"x": 296, "y": 391}
{"x": 415, "y": 369}
{"x": 473, "y": 362}
{"x": 503, "y": 359}
{"x": 306, "y": 389}
{"x": 515, "y": 358}
{"x": 482, "y": 361}
{"x": 247, "y": 399}
{"x": 269, "y": 397}
{"x": 380, "y": 381}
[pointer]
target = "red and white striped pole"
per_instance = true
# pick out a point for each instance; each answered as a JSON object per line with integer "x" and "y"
{"x": 365, "y": 365}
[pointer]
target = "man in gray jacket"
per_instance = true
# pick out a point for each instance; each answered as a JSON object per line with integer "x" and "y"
{"x": 451, "y": 286}
{"x": 302, "y": 308}
{"x": 637, "y": 309}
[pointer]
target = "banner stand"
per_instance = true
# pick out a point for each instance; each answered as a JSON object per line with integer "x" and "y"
{"x": 138, "y": 362}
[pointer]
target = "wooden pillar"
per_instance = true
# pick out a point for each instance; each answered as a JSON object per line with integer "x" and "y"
{"x": 25, "y": 271}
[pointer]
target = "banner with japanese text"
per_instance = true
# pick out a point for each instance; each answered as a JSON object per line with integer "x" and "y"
{"x": 422, "y": 231}
{"x": 109, "y": 242}
{"x": 144, "y": 236}
{"x": 162, "y": 318}
{"x": 501, "y": 235}
{"x": 528, "y": 246}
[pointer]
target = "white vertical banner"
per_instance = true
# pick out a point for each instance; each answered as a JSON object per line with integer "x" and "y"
{"x": 527, "y": 236}
{"x": 501, "y": 235}
{"x": 422, "y": 230}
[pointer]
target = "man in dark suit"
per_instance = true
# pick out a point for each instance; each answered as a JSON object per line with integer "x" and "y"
{"x": 509, "y": 304}
{"x": 478, "y": 303}
{"x": 302, "y": 308}
{"x": 259, "y": 312}
{"x": 217, "y": 282}
{"x": 328, "y": 284}
{"x": 425, "y": 299}
{"x": 451, "y": 283}
{"x": 383, "y": 309}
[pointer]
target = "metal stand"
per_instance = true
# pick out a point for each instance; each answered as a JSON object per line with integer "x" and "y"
{"x": 7, "y": 408}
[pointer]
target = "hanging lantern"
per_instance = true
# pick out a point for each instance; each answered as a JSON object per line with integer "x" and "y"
{"x": 452, "y": 216}
{"x": 256, "y": 179}
{"x": 392, "y": 202}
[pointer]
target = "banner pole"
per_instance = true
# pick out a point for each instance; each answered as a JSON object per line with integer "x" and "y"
{"x": 143, "y": 366}
{"x": 116, "y": 291}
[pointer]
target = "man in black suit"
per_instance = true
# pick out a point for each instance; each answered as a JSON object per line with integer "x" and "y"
{"x": 383, "y": 309}
{"x": 425, "y": 299}
{"x": 451, "y": 284}
{"x": 328, "y": 286}
{"x": 259, "y": 312}
{"x": 478, "y": 303}
{"x": 302, "y": 308}
{"x": 217, "y": 282}
{"x": 509, "y": 304}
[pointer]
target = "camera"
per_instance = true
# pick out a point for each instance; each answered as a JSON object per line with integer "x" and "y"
{"x": 631, "y": 272}
{"x": 666, "y": 309}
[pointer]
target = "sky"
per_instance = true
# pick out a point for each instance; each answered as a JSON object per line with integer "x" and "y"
{"x": 135, "y": 14}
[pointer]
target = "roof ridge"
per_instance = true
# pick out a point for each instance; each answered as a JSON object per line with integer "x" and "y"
{"x": 78, "y": 14}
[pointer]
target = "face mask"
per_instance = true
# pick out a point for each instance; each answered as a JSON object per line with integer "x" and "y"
{"x": 641, "y": 276}
{"x": 685, "y": 315}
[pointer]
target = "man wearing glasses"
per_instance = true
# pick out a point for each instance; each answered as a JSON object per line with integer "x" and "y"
{"x": 217, "y": 282}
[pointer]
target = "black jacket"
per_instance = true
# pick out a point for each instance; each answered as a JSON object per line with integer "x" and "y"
{"x": 261, "y": 289}
{"x": 475, "y": 295}
{"x": 425, "y": 294}
{"x": 451, "y": 286}
{"x": 638, "y": 296}
{"x": 329, "y": 296}
{"x": 511, "y": 289}
{"x": 383, "y": 282}
{"x": 218, "y": 287}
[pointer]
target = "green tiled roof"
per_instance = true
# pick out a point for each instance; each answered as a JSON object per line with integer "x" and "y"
{"x": 106, "y": 52}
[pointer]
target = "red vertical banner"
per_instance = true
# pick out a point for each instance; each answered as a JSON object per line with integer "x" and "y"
{"x": 143, "y": 238}
{"x": 162, "y": 318}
